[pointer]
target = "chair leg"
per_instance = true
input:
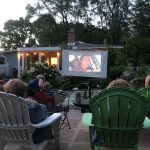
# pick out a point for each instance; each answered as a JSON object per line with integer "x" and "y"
{"x": 63, "y": 121}
{"x": 55, "y": 128}
{"x": 2, "y": 144}
{"x": 135, "y": 147}
{"x": 39, "y": 146}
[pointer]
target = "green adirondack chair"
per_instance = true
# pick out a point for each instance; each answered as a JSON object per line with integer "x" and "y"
{"x": 146, "y": 93}
{"x": 117, "y": 114}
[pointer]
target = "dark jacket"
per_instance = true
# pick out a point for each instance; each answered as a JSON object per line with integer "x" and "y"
{"x": 38, "y": 112}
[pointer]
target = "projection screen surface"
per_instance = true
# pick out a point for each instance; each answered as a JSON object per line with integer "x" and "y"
{"x": 85, "y": 63}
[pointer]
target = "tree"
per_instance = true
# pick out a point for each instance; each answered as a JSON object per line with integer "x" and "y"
{"x": 17, "y": 33}
{"x": 141, "y": 18}
{"x": 113, "y": 16}
{"x": 59, "y": 8}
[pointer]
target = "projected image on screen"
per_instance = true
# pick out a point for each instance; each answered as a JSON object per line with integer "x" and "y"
{"x": 85, "y": 63}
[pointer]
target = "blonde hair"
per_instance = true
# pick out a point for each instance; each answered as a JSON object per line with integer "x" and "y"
{"x": 147, "y": 81}
{"x": 119, "y": 82}
{"x": 17, "y": 87}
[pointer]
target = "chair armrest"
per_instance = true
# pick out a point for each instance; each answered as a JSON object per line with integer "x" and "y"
{"x": 48, "y": 121}
{"x": 87, "y": 119}
{"x": 146, "y": 124}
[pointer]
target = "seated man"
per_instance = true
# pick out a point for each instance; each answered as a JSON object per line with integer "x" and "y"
{"x": 37, "y": 112}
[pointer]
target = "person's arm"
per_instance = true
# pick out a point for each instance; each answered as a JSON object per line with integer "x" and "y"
{"x": 37, "y": 112}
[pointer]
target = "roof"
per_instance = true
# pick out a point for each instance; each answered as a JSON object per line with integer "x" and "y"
{"x": 31, "y": 49}
{"x": 83, "y": 45}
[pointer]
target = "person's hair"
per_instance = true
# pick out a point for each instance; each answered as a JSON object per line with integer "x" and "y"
{"x": 147, "y": 81}
{"x": 17, "y": 87}
{"x": 40, "y": 77}
{"x": 119, "y": 82}
{"x": 2, "y": 82}
{"x": 46, "y": 85}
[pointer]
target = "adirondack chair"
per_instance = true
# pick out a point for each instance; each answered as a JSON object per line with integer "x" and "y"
{"x": 15, "y": 125}
{"x": 146, "y": 93}
{"x": 117, "y": 115}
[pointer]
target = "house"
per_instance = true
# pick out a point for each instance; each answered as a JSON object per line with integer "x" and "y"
{"x": 24, "y": 58}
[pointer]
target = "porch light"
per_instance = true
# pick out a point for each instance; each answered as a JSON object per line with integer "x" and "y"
{"x": 34, "y": 53}
{"x": 42, "y": 54}
{"x": 58, "y": 54}
{"x": 19, "y": 56}
{"x": 27, "y": 54}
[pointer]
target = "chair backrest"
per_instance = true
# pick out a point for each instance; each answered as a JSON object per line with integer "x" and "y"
{"x": 14, "y": 118}
{"x": 118, "y": 115}
{"x": 145, "y": 92}
{"x": 61, "y": 99}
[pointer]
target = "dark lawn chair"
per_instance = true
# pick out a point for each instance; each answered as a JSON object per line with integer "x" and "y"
{"x": 117, "y": 115}
{"x": 146, "y": 93}
{"x": 61, "y": 105}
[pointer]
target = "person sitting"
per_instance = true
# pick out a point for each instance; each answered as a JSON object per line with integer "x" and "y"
{"x": 116, "y": 82}
{"x": 147, "y": 81}
{"x": 46, "y": 96}
{"x": 119, "y": 82}
{"x": 35, "y": 85}
{"x": 37, "y": 112}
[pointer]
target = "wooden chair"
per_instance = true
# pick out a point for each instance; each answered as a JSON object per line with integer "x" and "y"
{"x": 117, "y": 115}
{"x": 15, "y": 125}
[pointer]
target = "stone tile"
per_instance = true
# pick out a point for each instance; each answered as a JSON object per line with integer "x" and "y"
{"x": 77, "y": 138}
{"x": 83, "y": 136}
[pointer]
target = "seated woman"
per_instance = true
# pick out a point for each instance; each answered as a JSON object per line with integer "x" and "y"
{"x": 37, "y": 112}
{"x": 117, "y": 82}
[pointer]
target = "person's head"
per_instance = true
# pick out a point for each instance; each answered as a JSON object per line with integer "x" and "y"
{"x": 17, "y": 87}
{"x": 147, "y": 81}
{"x": 46, "y": 86}
{"x": 75, "y": 63}
{"x": 84, "y": 61}
{"x": 41, "y": 79}
{"x": 119, "y": 82}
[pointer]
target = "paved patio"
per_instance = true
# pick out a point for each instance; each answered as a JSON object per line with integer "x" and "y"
{"x": 77, "y": 137}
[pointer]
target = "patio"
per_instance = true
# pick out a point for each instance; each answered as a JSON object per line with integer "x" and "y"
{"x": 77, "y": 137}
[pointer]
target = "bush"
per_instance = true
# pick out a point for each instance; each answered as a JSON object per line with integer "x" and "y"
{"x": 50, "y": 73}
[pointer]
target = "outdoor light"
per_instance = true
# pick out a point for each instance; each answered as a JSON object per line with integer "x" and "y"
{"x": 34, "y": 53}
{"x": 18, "y": 55}
{"x": 42, "y": 54}
{"x": 27, "y": 54}
{"x": 58, "y": 54}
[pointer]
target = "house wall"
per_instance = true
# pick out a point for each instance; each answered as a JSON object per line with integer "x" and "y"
{"x": 11, "y": 59}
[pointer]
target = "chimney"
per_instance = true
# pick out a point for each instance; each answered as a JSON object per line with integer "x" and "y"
{"x": 71, "y": 37}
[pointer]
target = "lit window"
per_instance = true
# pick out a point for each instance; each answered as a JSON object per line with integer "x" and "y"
{"x": 53, "y": 60}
